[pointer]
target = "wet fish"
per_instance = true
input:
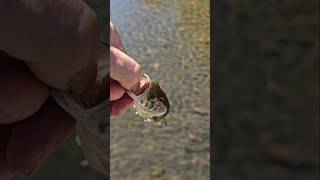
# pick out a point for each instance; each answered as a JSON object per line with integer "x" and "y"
{"x": 153, "y": 103}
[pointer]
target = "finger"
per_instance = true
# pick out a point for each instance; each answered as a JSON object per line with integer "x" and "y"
{"x": 56, "y": 38}
{"x": 124, "y": 69}
{"x": 33, "y": 139}
{"x": 5, "y": 131}
{"x": 116, "y": 91}
{"x": 115, "y": 40}
{"x": 120, "y": 106}
{"x": 21, "y": 94}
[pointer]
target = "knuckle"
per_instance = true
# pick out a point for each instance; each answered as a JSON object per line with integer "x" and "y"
{"x": 137, "y": 72}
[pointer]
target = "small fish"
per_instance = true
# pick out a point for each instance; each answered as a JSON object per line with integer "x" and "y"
{"x": 153, "y": 103}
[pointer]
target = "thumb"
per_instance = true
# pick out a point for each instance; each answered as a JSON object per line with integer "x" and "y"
{"x": 56, "y": 39}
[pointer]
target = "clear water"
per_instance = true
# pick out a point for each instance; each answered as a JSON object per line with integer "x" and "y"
{"x": 170, "y": 39}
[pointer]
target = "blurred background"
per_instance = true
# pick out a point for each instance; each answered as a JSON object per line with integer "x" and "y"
{"x": 266, "y": 90}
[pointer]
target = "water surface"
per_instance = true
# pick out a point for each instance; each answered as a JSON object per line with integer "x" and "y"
{"x": 170, "y": 39}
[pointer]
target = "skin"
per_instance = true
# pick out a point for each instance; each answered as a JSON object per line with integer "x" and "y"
{"x": 29, "y": 66}
{"x": 125, "y": 75}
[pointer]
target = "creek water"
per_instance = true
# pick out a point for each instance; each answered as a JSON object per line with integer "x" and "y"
{"x": 170, "y": 40}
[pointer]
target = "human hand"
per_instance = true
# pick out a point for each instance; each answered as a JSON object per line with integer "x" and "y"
{"x": 43, "y": 44}
{"x": 125, "y": 75}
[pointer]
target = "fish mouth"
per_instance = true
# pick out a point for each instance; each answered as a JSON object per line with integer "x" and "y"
{"x": 141, "y": 95}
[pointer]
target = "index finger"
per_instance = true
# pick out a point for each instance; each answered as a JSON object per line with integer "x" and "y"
{"x": 124, "y": 69}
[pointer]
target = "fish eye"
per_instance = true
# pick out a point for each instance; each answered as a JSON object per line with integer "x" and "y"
{"x": 152, "y": 96}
